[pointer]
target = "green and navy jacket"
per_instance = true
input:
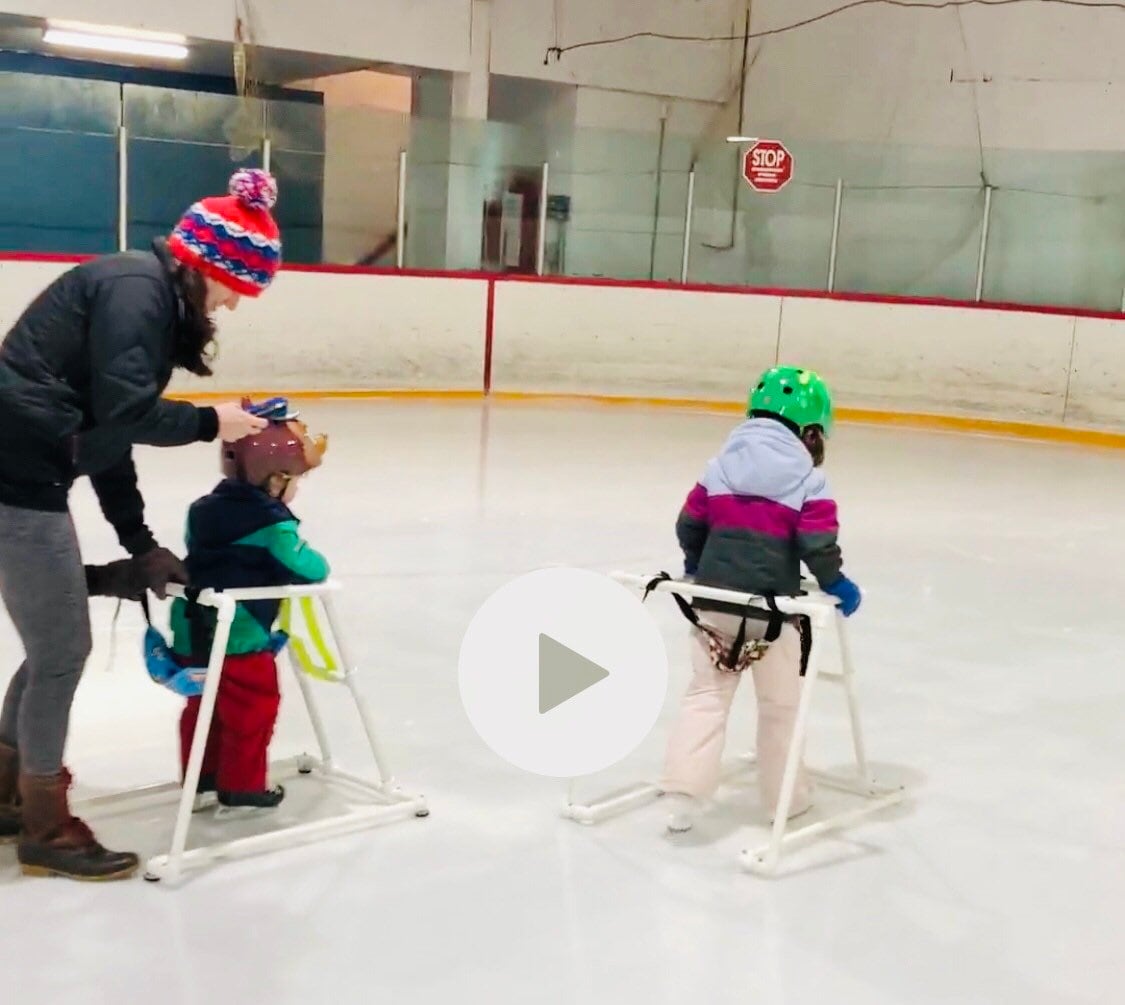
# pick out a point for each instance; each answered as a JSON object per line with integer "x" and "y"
{"x": 239, "y": 536}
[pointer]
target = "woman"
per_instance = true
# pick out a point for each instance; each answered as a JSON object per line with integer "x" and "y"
{"x": 81, "y": 378}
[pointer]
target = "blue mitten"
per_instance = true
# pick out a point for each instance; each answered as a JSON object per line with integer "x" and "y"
{"x": 163, "y": 668}
{"x": 188, "y": 683}
{"x": 278, "y": 641}
{"x": 159, "y": 663}
{"x": 845, "y": 591}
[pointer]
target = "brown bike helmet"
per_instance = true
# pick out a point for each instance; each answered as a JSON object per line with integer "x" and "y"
{"x": 284, "y": 447}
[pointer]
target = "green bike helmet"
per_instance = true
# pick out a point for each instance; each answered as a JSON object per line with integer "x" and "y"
{"x": 800, "y": 396}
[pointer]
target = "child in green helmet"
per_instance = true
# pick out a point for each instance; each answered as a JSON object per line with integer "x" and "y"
{"x": 760, "y": 510}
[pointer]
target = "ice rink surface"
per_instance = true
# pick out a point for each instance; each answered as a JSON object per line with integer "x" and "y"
{"x": 990, "y": 653}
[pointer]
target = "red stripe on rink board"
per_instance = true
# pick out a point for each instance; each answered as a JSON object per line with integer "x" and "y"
{"x": 377, "y": 270}
{"x": 43, "y": 257}
{"x": 788, "y": 294}
{"x": 639, "y": 284}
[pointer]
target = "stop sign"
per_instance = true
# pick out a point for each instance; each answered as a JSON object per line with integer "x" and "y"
{"x": 768, "y": 166}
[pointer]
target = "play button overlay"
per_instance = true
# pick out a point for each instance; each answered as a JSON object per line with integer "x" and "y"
{"x": 563, "y": 672}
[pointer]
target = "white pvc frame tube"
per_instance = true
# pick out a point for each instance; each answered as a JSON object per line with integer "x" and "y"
{"x": 823, "y": 613}
{"x": 225, "y": 618}
{"x": 361, "y": 705}
{"x": 315, "y": 720}
{"x": 816, "y": 606}
{"x": 383, "y": 802}
{"x": 847, "y": 678}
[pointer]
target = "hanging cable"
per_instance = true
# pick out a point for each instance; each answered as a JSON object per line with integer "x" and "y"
{"x": 976, "y": 101}
{"x": 112, "y": 657}
{"x": 936, "y": 5}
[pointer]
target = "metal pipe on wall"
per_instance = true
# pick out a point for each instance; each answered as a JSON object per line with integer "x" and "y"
{"x": 984, "y": 227}
{"x": 688, "y": 220}
{"x": 400, "y": 225}
{"x": 122, "y": 173}
{"x": 122, "y": 188}
{"x": 541, "y": 236}
{"x": 659, "y": 192}
{"x": 835, "y": 246}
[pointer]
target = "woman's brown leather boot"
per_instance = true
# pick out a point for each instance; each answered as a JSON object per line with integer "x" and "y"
{"x": 9, "y": 794}
{"x": 55, "y": 843}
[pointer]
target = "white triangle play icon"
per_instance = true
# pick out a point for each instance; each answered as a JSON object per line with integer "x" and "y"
{"x": 563, "y": 673}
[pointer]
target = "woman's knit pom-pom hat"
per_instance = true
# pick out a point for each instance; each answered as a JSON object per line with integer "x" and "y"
{"x": 233, "y": 238}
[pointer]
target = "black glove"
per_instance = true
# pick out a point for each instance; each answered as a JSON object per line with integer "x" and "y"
{"x": 158, "y": 568}
{"x": 117, "y": 579}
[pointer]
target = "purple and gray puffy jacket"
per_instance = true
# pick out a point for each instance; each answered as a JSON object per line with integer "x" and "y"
{"x": 760, "y": 509}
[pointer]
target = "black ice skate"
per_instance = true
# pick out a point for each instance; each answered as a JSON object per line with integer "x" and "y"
{"x": 268, "y": 800}
{"x": 205, "y": 794}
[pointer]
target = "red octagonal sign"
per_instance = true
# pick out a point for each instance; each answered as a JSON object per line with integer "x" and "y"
{"x": 768, "y": 166}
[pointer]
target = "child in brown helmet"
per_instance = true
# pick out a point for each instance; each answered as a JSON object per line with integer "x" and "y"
{"x": 243, "y": 534}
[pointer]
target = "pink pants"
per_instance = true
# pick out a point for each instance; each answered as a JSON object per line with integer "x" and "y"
{"x": 695, "y": 748}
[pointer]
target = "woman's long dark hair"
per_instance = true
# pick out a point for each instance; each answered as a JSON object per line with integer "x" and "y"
{"x": 195, "y": 345}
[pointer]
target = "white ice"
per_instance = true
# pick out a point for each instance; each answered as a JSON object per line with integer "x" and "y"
{"x": 990, "y": 652}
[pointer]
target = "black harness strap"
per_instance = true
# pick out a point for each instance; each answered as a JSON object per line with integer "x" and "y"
{"x": 773, "y": 626}
{"x": 777, "y": 618}
{"x": 202, "y": 629}
{"x": 202, "y": 634}
{"x": 804, "y": 630}
{"x": 685, "y": 608}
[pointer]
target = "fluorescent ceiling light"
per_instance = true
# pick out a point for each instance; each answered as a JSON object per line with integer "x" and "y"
{"x": 742, "y": 139}
{"x": 98, "y": 38}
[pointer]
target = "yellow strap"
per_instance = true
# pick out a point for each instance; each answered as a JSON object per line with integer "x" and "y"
{"x": 329, "y": 671}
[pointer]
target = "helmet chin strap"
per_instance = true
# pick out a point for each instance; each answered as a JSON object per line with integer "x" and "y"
{"x": 286, "y": 480}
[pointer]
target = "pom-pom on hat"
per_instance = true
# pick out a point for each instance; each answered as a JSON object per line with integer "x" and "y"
{"x": 233, "y": 238}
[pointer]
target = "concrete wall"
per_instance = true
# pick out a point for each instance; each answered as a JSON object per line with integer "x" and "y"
{"x": 432, "y": 33}
{"x": 1041, "y": 76}
{"x": 522, "y": 30}
{"x": 435, "y": 34}
{"x": 366, "y": 125}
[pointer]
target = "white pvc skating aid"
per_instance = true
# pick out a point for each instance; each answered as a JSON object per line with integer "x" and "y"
{"x": 379, "y": 801}
{"x": 824, "y": 616}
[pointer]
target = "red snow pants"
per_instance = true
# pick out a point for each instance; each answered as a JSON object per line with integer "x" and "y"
{"x": 246, "y": 707}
